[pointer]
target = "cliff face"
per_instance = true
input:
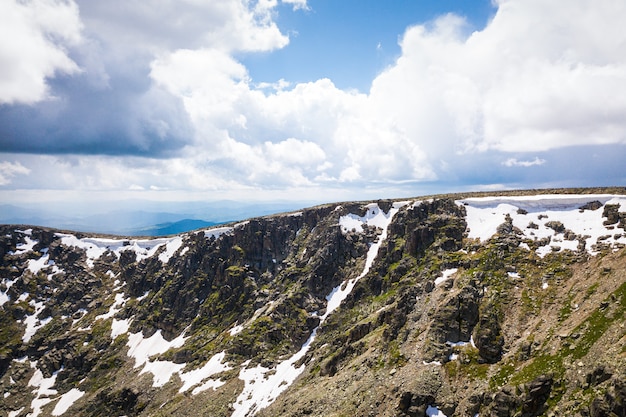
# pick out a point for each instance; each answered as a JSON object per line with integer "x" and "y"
{"x": 496, "y": 306}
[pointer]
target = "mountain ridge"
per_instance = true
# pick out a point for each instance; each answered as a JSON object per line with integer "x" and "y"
{"x": 388, "y": 308}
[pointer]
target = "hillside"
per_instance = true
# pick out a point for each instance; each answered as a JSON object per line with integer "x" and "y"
{"x": 457, "y": 305}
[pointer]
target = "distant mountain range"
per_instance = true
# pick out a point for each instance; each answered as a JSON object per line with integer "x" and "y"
{"x": 139, "y": 218}
{"x": 171, "y": 228}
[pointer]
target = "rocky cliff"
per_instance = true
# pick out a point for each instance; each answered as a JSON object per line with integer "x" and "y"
{"x": 509, "y": 305}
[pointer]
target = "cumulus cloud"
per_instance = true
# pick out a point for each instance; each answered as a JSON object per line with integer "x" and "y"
{"x": 90, "y": 92}
{"x": 297, "y": 4}
{"x": 34, "y": 37}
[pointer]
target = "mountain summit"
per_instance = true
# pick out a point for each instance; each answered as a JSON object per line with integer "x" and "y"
{"x": 464, "y": 305}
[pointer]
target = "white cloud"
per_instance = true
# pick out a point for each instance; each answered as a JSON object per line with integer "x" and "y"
{"x": 536, "y": 78}
{"x": 34, "y": 37}
{"x": 530, "y": 81}
{"x": 8, "y": 170}
{"x": 168, "y": 25}
{"x": 514, "y": 162}
{"x": 297, "y": 4}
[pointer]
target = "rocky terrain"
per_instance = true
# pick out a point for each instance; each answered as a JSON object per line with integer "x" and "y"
{"x": 461, "y": 305}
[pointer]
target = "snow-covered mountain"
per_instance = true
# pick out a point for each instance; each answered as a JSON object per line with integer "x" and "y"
{"x": 464, "y": 305}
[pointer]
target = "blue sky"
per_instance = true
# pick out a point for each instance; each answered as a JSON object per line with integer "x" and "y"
{"x": 307, "y": 100}
{"x": 351, "y": 41}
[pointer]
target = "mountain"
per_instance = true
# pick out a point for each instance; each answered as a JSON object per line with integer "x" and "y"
{"x": 137, "y": 217}
{"x": 509, "y": 304}
{"x": 171, "y": 228}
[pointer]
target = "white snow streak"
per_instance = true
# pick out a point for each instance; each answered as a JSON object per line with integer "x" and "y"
{"x": 446, "y": 275}
{"x": 212, "y": 367}
{"x": 170, "y": 249}
{"x": 374, "y": 216}
{"x": 33, "y": 323}
{"x": 219, "y": 231}
{"x": 4, "y": 296}
{"x": 66, "y": 401}
{"x": 262, "y": 387}
{"x": 115, "y": 307}
{"x": 44, "y": 389}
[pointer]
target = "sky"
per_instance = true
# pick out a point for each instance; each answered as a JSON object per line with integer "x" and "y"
{"x": 307, "y": 100}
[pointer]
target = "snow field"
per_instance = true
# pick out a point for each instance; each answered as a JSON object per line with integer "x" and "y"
{"x": 485, "y": 214}
{"x": 144, "y": 248}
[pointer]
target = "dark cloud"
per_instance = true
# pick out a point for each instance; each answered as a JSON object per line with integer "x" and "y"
{"x": 126, "y": 115}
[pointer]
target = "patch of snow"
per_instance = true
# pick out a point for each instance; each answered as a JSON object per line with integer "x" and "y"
{"x": 513, "y": 274}
{"x": 544, "y": 285}
{"x": 446, "y": 275}
{"x": 433, "y": 411}
{"x": 115, "y": 307}
{"x": 82, "y": 311}
{"x": 170, "y": 249}
{"x": 235, "y": 329}
{"x": 15, "y": 413}
{"x": 261, "y": 389}
{"x": 212, "y": 367}
{"x": 4, "y": 296}
{"x": 27, "y": 246}
{"x": 296, "y": 214}
{"x": 66, "y": 401}
{"x": 119, "y": 327}
{"x": 437, "y": 363}
{"x": 32, "y": 322}
{"x": 209, "y": 384}
{"x": 161, "y": 371}
{"x": 184, "y": 251}
{"x": 142, "y": 349}
{"x": 375, "y": 217}
{"x": 36, "y": 265}
{"x": 96, "y": 247}
{"x": 219, "y": 231}
{"x": 485, "y": 214}
{"x": 458, "y": 344}
{"x": 43, "y": 389}
{"x": 143, "y": 296}
{"x": 23, "y": 297}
